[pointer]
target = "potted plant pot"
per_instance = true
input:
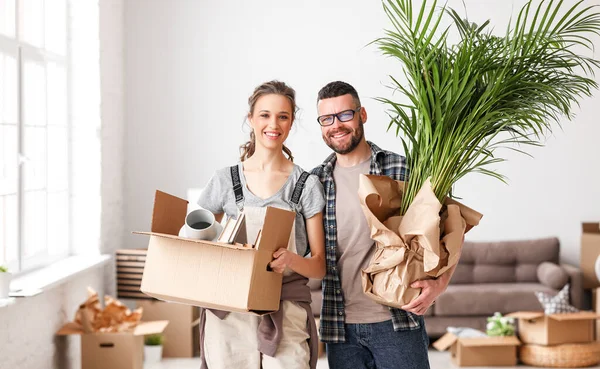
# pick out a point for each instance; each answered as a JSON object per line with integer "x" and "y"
{"x": 153, "y": 347}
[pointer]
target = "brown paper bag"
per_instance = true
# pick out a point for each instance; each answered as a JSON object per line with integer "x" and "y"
{"x": 410, "y": 247}
{"x": 115, "y": 317}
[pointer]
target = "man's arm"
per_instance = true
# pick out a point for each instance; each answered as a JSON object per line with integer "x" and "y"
{"x": 430, "y": 290}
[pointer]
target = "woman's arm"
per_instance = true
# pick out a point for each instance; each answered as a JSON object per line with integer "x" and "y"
{"x": 313, "y": 267}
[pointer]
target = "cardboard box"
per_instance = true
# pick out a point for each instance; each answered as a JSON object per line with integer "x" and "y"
{"x": 182, "y": 336}
{"x": 130, "y": 268}
{"x": 211, "y": 274}
{"x": 481, "y": 351}
{"x": 590, "y": 250}
{"x": 113, "y": 350}
{"x": 596, "y": 306}
{"x": 541, "y": 329}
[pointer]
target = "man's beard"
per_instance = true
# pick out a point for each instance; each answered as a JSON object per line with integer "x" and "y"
{"x": 357, "y": 136}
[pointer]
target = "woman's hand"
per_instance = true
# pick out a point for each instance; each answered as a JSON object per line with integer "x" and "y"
{"x": 312, "y": 267}
{"x": 284, "y": 258}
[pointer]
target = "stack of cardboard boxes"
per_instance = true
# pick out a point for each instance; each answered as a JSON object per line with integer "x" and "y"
{"x": 590, "y": 251}
{"x": 534, "y": 328}
{"x": 111, "y": 336}
{"x": 550, "y": 338}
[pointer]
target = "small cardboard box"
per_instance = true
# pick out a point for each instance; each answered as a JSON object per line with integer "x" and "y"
{"x": 590, "y": 250}
{"x": 554, "y": 329}
{"x": 182, "y": 336}
{"x": 481, "y": 351}
{"x": 230, "y": 277}
{"x": 113, "y": 350}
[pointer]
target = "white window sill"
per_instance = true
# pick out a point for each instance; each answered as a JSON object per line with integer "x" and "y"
{"x": 54, "y": 275}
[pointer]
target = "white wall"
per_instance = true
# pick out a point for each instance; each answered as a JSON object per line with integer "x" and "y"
{"x": 191, "y": 65}
{"x": 28, "y": 327}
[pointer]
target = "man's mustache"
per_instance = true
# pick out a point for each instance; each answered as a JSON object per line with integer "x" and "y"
{"x": 331, "y": 134}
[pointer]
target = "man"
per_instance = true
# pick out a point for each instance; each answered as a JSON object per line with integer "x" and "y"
{"x": 359, "y": 332}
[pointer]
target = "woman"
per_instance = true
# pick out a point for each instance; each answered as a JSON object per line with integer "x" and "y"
{"x": 269, "y": 178}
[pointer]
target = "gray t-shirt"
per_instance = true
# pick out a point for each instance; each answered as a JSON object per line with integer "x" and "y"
{"x": 354, "y": 246}
{"x": 218, "y": 197}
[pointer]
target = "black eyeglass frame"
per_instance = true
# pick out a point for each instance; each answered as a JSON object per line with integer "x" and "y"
{"x": 337, "y": 115}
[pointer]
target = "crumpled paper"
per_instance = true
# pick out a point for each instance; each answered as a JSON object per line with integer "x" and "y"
{"x": 114, "y": 318}
{"x": 422, "y": 244}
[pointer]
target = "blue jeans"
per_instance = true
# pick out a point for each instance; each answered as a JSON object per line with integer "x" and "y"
{"x": 377, "y": 345}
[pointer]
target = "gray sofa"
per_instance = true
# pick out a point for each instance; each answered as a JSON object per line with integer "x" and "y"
{"x": 495, "y": 277}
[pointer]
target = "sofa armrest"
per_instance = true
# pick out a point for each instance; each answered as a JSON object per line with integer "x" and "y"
{"x": 576, "y": 284}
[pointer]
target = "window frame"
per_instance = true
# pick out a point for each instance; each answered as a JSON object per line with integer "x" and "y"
{"x": 25, "y": 53}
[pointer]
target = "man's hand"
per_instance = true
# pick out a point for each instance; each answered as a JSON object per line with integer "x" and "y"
{"x": 430, "y": 290}
{"x": 283, "y": 258}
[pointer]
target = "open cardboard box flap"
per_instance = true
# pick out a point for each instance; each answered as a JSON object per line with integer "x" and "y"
{"x": 69, "y": 329}
{"x": 169, "y": 213}
{"x": 591, "y": 227}
{"x": 582, "y": 315}
{"x": 490, "y": 341}
{"x": 527, "y": 315}
{"x": 444, "y": 342}
{"x": 142, "y": 329}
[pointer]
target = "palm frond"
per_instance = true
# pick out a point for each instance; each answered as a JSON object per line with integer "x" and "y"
{"x": 486, "y": 92}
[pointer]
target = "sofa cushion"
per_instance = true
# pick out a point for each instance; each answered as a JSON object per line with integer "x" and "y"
{"x": 557, "y": 304}
{"x": 488, "y": 298}
{"x": 552, "y": 275}
{"x": 504, "y": 262}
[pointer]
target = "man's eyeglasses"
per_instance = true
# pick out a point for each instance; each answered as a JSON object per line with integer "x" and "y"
{"x": 343, "y": 116}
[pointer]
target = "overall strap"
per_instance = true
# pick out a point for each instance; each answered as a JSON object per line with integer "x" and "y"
{"x": 298, "y": 189}
{"x": 237, "y": 187}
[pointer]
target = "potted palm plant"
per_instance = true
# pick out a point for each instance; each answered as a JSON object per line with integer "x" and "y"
{"x": 462, "y": 102}
{"x": 153, "y": 347}
{"x": 5, "y": 278}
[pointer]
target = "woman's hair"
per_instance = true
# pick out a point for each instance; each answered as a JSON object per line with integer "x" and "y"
{"x": 268, "y": 88}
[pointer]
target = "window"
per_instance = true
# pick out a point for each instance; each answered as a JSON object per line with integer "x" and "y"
{"x": 34, "y": 133}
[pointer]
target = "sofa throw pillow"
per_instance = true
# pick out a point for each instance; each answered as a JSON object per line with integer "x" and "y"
{"x": 556, "y": 304}
{"x": 552, "y": 275}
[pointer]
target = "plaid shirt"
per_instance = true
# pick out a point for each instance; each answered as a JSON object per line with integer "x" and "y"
{"x": 332, "y": 313}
